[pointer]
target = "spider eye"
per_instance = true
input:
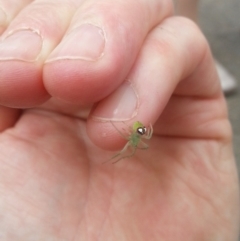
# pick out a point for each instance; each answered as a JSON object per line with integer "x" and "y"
{"x": 141, "y": 130}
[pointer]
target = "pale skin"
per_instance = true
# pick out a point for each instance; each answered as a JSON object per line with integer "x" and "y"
{"x": 52, "y": 182}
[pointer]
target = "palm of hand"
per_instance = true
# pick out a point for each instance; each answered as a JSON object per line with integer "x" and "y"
{"x": 54, "y": 182}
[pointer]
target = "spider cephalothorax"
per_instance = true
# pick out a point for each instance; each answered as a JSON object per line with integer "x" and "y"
{"x": 141, "y": 130}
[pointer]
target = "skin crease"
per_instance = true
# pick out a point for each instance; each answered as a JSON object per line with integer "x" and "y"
{"x": 54, "y": 186}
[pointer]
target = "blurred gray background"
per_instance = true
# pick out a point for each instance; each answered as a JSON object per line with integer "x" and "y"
{"x": 220, "y": 22}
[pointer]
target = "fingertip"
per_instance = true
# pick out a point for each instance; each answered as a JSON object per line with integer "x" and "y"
{"x": 106, "y": 134}
{"x": 21, "y": 85}
{"x": 77, "y": 81}
{"x": 106, "y": 119}
{"x": 111, "y": 119}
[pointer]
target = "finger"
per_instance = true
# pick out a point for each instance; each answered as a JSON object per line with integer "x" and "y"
{"x": 25, "y": 45}
{"x": 8, "y": 118}
{"x": 100, "y": 47}
{"x": 174, "y": 61}
{"x": 8, "y": 10}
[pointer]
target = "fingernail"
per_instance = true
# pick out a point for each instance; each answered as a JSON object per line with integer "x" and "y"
{"x": 86, "y": 42}
{"x": 122, "y": 105}
{"x": 24, "y": 44}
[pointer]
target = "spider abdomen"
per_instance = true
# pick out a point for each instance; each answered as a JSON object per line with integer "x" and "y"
{"x": 135, "y": 139}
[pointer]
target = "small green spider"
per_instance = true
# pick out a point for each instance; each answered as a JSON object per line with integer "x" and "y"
{"x": 136, "y": 133}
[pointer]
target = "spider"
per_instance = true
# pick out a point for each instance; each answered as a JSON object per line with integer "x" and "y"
{"x": 136, "y": 133}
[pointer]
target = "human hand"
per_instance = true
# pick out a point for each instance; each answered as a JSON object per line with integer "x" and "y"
{"x": 153, "y": 68}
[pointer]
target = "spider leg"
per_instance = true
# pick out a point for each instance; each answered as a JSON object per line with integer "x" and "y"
{"x": 143, "y": 147}
{"x": 119, "y": 153}
{"x": 149, "y": 133}
{"x": 120, "y": 133}
{"x": 129, "y": 128}
{"x": 123, "y": 157}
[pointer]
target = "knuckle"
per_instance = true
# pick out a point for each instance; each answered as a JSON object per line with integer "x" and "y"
{"x": 176, "y": 34}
